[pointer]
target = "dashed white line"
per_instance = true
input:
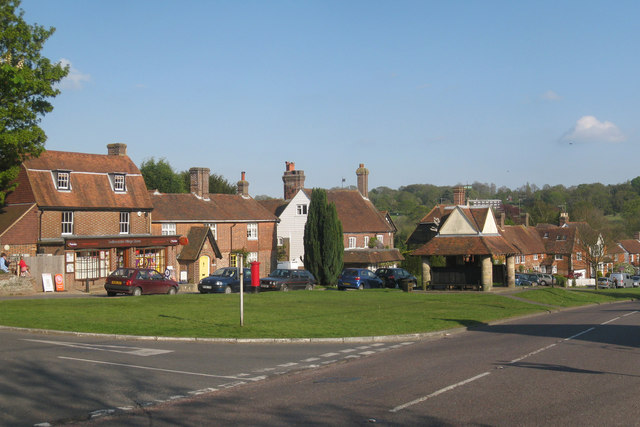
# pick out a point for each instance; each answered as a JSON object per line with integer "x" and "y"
{"x": 436, "y": 393}
{"x": 288, "y": 365}
{"x": 328, "y": 354}
{"x": 311, "y": 359}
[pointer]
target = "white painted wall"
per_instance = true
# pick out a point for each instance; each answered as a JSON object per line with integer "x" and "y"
{"x": 291, "y": 226}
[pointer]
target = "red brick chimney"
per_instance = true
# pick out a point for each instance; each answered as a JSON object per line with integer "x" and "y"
{"x": 117, "y": 149}
{"x": 459, "y": 197}
{"x": 199, "y": 181}
{"x": 293, "y": 180}
{"x": 243, "y": 185}
{"x": 363, "y": 180}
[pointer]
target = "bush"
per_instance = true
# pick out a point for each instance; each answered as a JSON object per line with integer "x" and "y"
{"x": 560, "y": 281}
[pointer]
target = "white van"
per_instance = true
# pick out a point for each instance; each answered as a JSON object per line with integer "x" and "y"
{"x": 621, "y": 280}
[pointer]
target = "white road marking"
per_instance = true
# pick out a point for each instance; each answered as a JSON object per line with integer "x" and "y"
{"x": 609, "y": 321}
{"x": 311, "y": 359}
{"x": 348, "y": 350}
{"x": 172, "y": 371}
{"x": 436, "y": 393}
{"x": 328, "y": 354}
{"x": 366, "y": 353}
{"x": 629, "y": 314}
{"x": 136, "y": 351}
{"x": 532, "y": 353}
{"x": 578, "y": 334}
{"x": 287, "y": 365}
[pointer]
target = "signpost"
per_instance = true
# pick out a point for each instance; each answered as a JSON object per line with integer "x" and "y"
{"x": 240, "y": 260}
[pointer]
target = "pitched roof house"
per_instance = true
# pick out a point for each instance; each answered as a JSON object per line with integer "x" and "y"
{"x": 361, "y": 222}
{"x": 94, "y": 209}
{"x": 238, "y": 224}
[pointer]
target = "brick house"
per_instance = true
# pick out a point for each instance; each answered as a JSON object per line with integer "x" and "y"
{"x": 237, "y": 224}
{"x": 630, "y": 251}
{"x": 361, "y": 222}
{"x": 94, "y": 209}
{"x": 531, "y": 249}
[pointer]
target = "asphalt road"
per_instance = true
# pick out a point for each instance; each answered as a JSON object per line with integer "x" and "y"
{"x": 576, "y": 367}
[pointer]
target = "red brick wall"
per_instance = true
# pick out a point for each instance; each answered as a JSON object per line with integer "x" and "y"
{"x": 24, "y": 231}
{"x": 92, "y": 223}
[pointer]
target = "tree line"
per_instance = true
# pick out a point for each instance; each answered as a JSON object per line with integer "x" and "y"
{"x": 160, "y": 175}
{"x": 614, "y": 210}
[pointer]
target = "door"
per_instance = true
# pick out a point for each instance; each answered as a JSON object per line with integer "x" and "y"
{"x": 203, "y": 267}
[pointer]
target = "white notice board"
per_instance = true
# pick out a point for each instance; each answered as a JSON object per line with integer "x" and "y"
{"x": 47, "y": 282}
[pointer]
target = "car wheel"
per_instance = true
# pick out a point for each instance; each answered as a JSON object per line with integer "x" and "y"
{"x": 284, "y": 288}
{"x": 360, "y": 287}
{"x": 228, "y": 290}
{"x": 172, "y": 290}
{"x": 111, "y": 294}
{"x": 543, "y": 283}
{"x": 136, "y": 292}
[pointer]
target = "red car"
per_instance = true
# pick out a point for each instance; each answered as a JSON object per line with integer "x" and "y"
{"x": 138, "y": 281}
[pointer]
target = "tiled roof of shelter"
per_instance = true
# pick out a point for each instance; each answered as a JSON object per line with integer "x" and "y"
{"x": 466, "y": 245}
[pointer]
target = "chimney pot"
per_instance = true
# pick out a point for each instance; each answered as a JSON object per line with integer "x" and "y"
{"x": 293, "y": 180}
{"x": 243, "y": 185}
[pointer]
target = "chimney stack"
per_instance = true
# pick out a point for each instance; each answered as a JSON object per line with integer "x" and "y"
{"x": 243, "y": 185}
{"x": 293, "y": 180}
{"x": 636, "y": 235}
{"x": 117, "y": 149}
{"x": 459, "y": 196}
{"x": 199, "y": 182}
{"x": 363, "y": 180}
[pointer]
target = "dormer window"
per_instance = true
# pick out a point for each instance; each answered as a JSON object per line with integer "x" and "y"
{"x": 62, "y": 180}
{"x": 118, "y": 182}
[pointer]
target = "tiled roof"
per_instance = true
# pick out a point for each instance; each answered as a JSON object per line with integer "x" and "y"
{"x": 559, "y": 240}
{"x": 89, "y": 182}
{"x": 463, "y": 245}
{"x": 632, "y": 246}
{"x": 526, "y": 239}
{"x": 438, "y": 211}
{"x": 275, "y": 206}
{"x": 217, "y": 208}
{"x": 357, "y": 214}
{"x": 197, "y": 237}
{"x": 10, "y": 214}
{"x": 371, "y": 256}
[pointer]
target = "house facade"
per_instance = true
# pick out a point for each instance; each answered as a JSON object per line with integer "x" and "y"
{"x": 93, "y": 209}
{"x": 362, "y": 223}
{"x": 238, "y": 225}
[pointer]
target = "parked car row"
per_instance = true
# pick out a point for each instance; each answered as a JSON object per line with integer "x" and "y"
{"x": 138, "y": 281}
{"x": 534, "y": 279}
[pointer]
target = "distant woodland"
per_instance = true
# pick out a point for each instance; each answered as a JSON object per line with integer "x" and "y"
{"x": 614, "y": 210}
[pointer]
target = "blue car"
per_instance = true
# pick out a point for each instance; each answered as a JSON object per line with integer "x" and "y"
{"x": 358, "y": 278}
{"x": 225, "y": 280}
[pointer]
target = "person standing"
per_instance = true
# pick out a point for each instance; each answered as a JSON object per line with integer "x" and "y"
{"x": 4, "y": 264}
{"x": 24, "y": 268}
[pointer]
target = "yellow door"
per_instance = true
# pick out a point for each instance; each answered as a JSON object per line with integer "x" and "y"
{"x": 204, "y": 267}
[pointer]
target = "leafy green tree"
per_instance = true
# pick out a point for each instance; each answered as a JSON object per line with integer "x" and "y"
{"x": 323, "y": 240}
{"x": 27, "y": 82}
{"x": 160, "y": 176}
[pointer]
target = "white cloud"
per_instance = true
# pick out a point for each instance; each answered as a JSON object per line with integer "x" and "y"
{"x": 550, "y": 96}
{"x": 590, "y": 129}
{"x": 75, "y": 79}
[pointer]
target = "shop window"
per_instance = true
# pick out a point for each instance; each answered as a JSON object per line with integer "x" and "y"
{"x": 124, "y": 222}
{"x": 169, "y": 229}
{"x": 91, "y": 264}
{"x": 151, "y": 258}
{"x": 67, "y": 222}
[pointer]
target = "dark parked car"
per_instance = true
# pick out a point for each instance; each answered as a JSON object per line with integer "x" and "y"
{"x": 284, "y": 280}
{"x": 138, "y": 281}
{"x": 532, "y": 278}
{"x": 358, "y": 278}
{"x": 523, "y": 280}
{"x": 394, "y": 277}
{"x": 225, "y": 280}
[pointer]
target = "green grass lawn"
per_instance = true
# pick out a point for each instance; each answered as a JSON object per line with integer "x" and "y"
{"x": 571, "y": 297}
{"x": 284, "y": 314}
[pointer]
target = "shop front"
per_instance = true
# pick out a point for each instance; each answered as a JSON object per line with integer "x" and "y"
{"x": 93, "y": 258}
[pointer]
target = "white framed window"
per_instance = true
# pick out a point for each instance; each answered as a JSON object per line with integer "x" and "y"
{"x": 169, "y": 229}
{"x": 380, "y": 238}
{"x": 62, "y": 180}
{"x": 535, "y": 257}
{"x": 557, "y": 257}
{"x": 352, "y": 242}
{"x": 67, "y": 222}
{"x": 252, "y": 257}
{"x": 579, "y": 256}
{"x": 280, "y": 241}
{"x": 119, "y": 183}
{"x": 366, "y": 241}
{"x": 124, "y": 222}
{"x": 301, "y": 209}
{"x": 252, "y": 231}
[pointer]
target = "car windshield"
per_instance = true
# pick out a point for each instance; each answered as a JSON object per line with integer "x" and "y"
{"x": 280, "y": 273}
{"x": 225, "y": 272}
{"x": 122, "y": 272}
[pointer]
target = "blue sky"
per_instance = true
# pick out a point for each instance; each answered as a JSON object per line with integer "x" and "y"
{"x": 421, "y": 92}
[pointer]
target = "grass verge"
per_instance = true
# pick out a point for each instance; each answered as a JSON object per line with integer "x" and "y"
{"x": 284, "y": 315}
{"x": 561, "y": 297}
